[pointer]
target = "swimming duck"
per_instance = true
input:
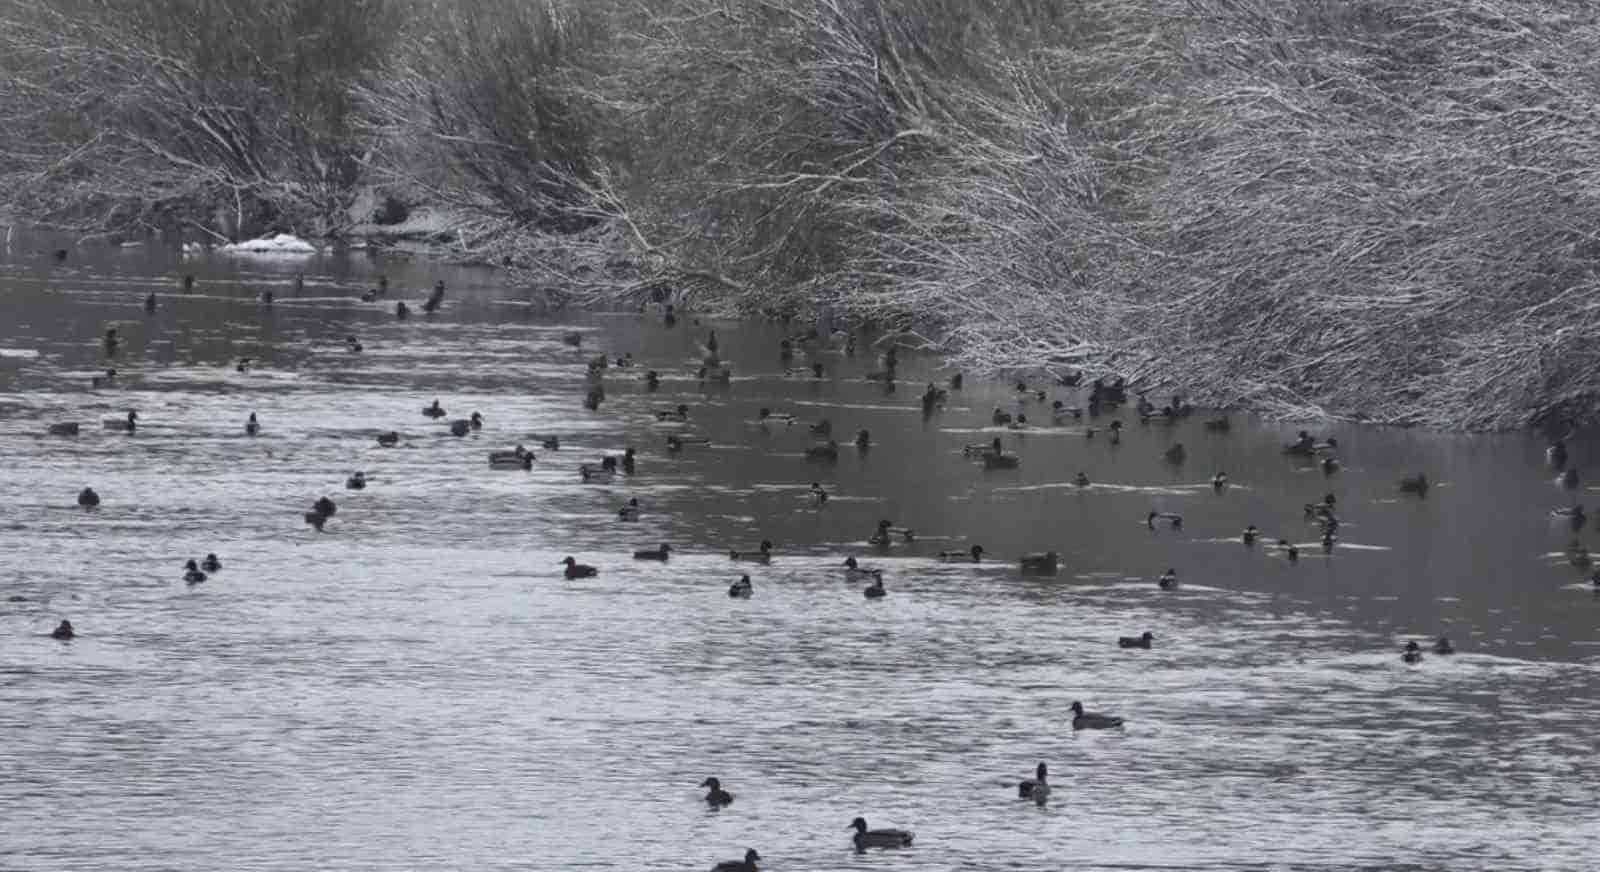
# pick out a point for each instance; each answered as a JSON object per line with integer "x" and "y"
{"x": 1322, "y": 508}
{"x": 475, "y": 421}
{"x": 1176, "y": 454}
{"x": 122, "y": 425}
{"x": 1142, "y": 640}
{"x": 818, "y": 495}
{"x": 1328, "y": 541}
{"x": 662, "y": 553}
{"x": 982, "y": 449}
{"x": 435, "y": 298}
{"x": 863, "y": 440}
{"x": 433, "y": 411}
{"x": 1036, "y": 788}
{"x": 821, "y": 428}
{"x": 516, "y": 458}
{"x": 1250, "y": 534}
{"x": 1083, "y": 720}
{"x": 855, "y": 572}
{"x": 402, "y": 311}
{"x": 1412, "y": 653}
{"x": 460, "y": 427}
{"x": 1219, "y": 425}
{"x": 1302, "y": 445}
{"x": 1001, "y": 461}
{"x": 1045, "y": 562}
{"x": 111, "y": 340}
{"x": 370, "y": 295}
{"x": 578, "y": 570}
{"x": 1327, "y": 448}
{"x": 874, "y": 590}
{"x": 865, "y": 838}
{"x": 629, "y": 460}
{"x": 211, "y": 563}
{"x": 721, "y": 375}
{"x": 356, "y": 481}
{"x": 971, "y": 555}
{"x": 352, "y": 344}
{"x": 1080, "y": 480}
{"x": 1060, "y": 411}
{"x": 681, "y": 413}
{"x": 631, "y": 511}
{"x": 886, "y": 532}
{"x": 741, "y": 589}
{"x": 252, "y": 426}
{"x": 1116, "y": 432}
{"x": 244, "y": 364}
{"x": 69, "y": 428}
{"x": 188, "y": 284}
{"x": 192, "y": 573}
{"x": 1330, "y": 465}
{"x": 1171, "y": 517}
{"x": 389, "y": 439}
{"x": 1556, "y": 454}
{"x": 764, "y": 555}
{"x": 1569, "y": 479}
{"x": 591, "y": 475}
{"x": 1000, "y": 416}
{"x": 266, "y": 297}
{"x": 598, "y": 365}
{"x": 109, "y": 378}
{"x": 716, "y": 797}
{"x": 572, "y": 338}
{"x": 956, "y": 382}
{"x": 764, "y": 416}
{"x": 63, "y": 631}
{"x": 678, "y": 443}
{"x": 551, "y": 444}
{"x": 652, "y": 381}
{"x": 88, "y": 498}
{"x": 626, "y": 360}
{"x": 932, "y": 397}
{"x": 1290, "y": 551}
{"x": 1414, "y": 484}
{"x": 1443, "y": 646}
{"x": 150, "y": 302}
{"x": 1219, "y": 481}
{"x": 1168, "y": 580}
{"x": 826, "y": 451}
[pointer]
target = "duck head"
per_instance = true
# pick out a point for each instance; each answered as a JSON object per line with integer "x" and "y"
{"x": 1413, "y": 646}
{"x": 712, "y": 784}
{"x": 1147, "y": 636}
{"x": 476, "y": 418}
{"x": 765, "y": 546}
{"x": 977, "y": 552}
{"x": 1077, "y": 708}
{"x": 192, "y": 566}
{"x": 570, "y": 561}
{"x": 859, "y": 825}
{"x": 816, "y": 370}
{"x": 863, "y": 438}
{"x": 850, "y": 562}
{"x": 1041, "y": 773}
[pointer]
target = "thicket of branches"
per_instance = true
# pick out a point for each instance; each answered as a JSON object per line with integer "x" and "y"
{"x": 1373, "y": 208}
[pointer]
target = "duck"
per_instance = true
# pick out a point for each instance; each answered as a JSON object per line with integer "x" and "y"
{"x": 572, "y": 338}
{"x": 982, "y": 449}
{"x": 435, "y": 298}
{"x": 625, "y": 361}
{"x": 211, "y": 563}
{"x": 1036, "y": 788}
{"x": 874, "y": 590}
{"x": 578, "y": 570}
{"x": 1175, "y": 454}
{"x": 1249, "y": 535}
{"x": 266, "y": 297}
{"x": 762, "y": 555}
{"x": 652, "y": 381}
{"x": 821, "y": 428}
{"x": 463, "y": 426}
{"x": 1412, "y": 653}
{"x": 956, "y": 382}
{"x": 678, "y": 443}
{"x": 1000, "y": 416}
{"x": 863, "y": 440}
{"x": 88, "y": 498}
{"x": 1219, "y": 425}
{"x": 252, "y": 427}
{"x": 66, "y": 428}
{"x": 1327, "y": 448}
{"x": 1045, "y": 562}
{"x": 123, "y": 425}
{"x": 516, "y": 458}
{"x": 188, "y": 284}
{"x": 1323, "y": 508}
{"x": 109, "y": 378}
{"x": 933, "y": 397}
{"x": 1085, "y": 720}
{"x": 388, "y": 439}
{"x": 401, "y": 310}
{"x": 716, "y": 797}
{"x": 244, "y": 364}
{"x": 1328, "y": 541}
{"x": 316, "y": 520}
{"x": 1442, "y": 646}
{"x": 433, "y": 411}
{"x": 192, "y": 573}
{"x": 856, "y": 572}
{"x": 631, "y": 511}
{"x": 1556, "y": 454}
{"x": 1219, "y": 481}
{"x": 711, "y": 341}
{"x": 1080, "y": 480}
{"x": 971, "y": 555}
{"x": 1171, "y": 517}
{"x": 352, "y": 344}
{"x": 818, "y": 495}
{"x": 884, "y": 535}
{"x": 1289, "y": 550}
{"x": 1303, "y": 445}
{"x": 150, "y": 302}
{"x": 111, "y": 340}
{"x": 662, "y": 553}
{"x": 765, "y": 416}
{"x": 1142, "y": 640}
{"x": 721, "y": 375}
{"x": 1330, "y": 465}
{"x": 997, "y": 460}
{"x": 741, "y": 589}
{"x": 1414, "y": 484}
{"x": 1168, "y": 580}
{"x": 591, "y": 475}
{"x": 552, "y": 443}
{"x": 1061, "y": 411}
{"x": 629, "y": 460}
{"x": 681, "y": 413}
{"x": 63, "y": 631}
{"x": 826, "y": 451}
{"x": 356, "y": 481}
{"x": 865, "y": 838}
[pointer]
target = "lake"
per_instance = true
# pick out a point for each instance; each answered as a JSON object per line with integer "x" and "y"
{"x": 418, "y": 686}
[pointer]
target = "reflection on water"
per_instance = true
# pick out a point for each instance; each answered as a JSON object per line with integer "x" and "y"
{"x": 418, "y": 687}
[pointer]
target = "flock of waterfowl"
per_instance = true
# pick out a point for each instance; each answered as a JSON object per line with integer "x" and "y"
{"x": 1102, "y": 397}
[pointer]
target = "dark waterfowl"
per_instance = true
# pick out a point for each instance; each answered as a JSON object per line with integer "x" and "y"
{"x": 1142, "y": 640}
{"x": 122, "y": 425}
{"x": 1080, "y": 480}
{"x": 664, "y": 552}
{"x": 1414, "y": 484}
{"x": 1173, "y": 518}
{"x": 956, "y": 382}
{"x": 244, "y": 364}
{"x": 401, "y": 310}
{"x": 629, "y": 460}
{"x": 517, "y": 458}
{"x": 652, "y": 381}
{"x": 463, "y": 426}
{"x": 762, "y": 555}
{"x": 1000, "y": 416}
{"x": 1060, "y": 411}
{"x": 389, "y": 439}
{"x": 553, "y": 443}
{"x": 252, "y": 427}
{"x": 865, "y": 838}
{"x": 321, "y": 511}
{"x": 188, "y": 284}
{"x": 1085, "y": 720}
{"x": 1412, "y": 653}
{"x": 1047, "y": 561}
{"x": 356, "y": 481}
{"x": 971, "y": 555}
{"x": 88, "y": 498}
{"x": 211, "y": 563}
{"x": 678, "y": 443}
{"x": 1330, "y": 465}
{"x": 435, "y": 299}
{"x": 874, "y": 590}
{"x": 982, "y": 449}
{"x": 741, "y": 589}
{"x": 1219, "y": 481}
{"x": 821, "y": 428}
{"x": 192, "y": 573}
{"x": 572, "y": 338}
{"x": 883, "y": 537}
{"x": 863, "y": 440}
{"x": 856, "y": 572}
{"x": 1168, "y": 580}
{"x": 827, "y": 451}
{"x": 1304, "y": 445}
{"x": 681, "y": 413}
{"x": 594, "y": 398}
{"x": 63, "y": 631}
{"x": 111, "y": 340}
{"x": 266, "y": 297}
{"x": 631, "y": 511}
{"x": 150, "y": 302}
{"x": 591, "y": 475}
{"x": 578, "y": 570}
{"x": 1289, "y": 550}
{"x": 1001, "y": 461}
{"x": 433, "y": 411}
{"x": 99, "y": 381}
{"x": 352, "y": 344}
{"x": 716, "y": 797}
{"x": 1250, "y": 535}
{"x": 818, "y": 495}
{"x": 1442, "y": 646}
{"x": 66, "y": 428}
{"x": 1036, "y": 788}
{"x": 1219, "y": 425}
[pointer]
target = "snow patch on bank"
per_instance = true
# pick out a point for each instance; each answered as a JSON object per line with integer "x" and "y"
{"x": 283, "y": 243}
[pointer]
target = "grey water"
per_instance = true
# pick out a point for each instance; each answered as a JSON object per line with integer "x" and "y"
{"x": 419, "y": 687}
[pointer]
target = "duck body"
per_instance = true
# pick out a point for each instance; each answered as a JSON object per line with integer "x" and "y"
{"x": 1045, "y": 562}
{"x": 865, "y": 838}
{"x": 1443, "y": 646}
{"x": 1085, "y": 720}
{"x": 211, "y": 563}
{"x": 681, "y": 413}
{"x": 741, "y": 589}
{"x": 389, "y": 439}
{"x": 1168, "y": 580}
{"x": 762, "y": 555}
{"x": 592, "y": 475}
{"x": 1036, "y": 788}
{"x": 192, "y": 573}
{"x": 716, "y": 797}
{"x": 971, "y": 555}
{"x": 123, "y": 425}
{"x": 433, "y": 411}
{"x": 855, "y": 572}
{"x": 663, "y": 553}
{"x": 1412, "y": 653}
{"x": 1173, "y": 518}
{"x": 251, "y": 426}
{"x": 87, "y": 498}
{"x": 357, "y": 481}
{"x": 1414, "y": 484}
{"x": 69, "y": 428}
{"x": 578, "y": 570}
{"x": 1001, "y": 461}
{"x": 827, "y": 451}
{"x": 631, "y": 511}
{"x": 1142, "y": 640}
{"x": 63, "y": 631}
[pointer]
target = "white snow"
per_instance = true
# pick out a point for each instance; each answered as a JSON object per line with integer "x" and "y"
{"x": 283, "y": 243}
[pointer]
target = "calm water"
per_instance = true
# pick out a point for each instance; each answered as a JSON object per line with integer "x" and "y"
{"x": 419, "y": 688}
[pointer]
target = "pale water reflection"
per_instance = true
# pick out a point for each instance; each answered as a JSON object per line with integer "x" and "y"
{"x": 418, "y": 687}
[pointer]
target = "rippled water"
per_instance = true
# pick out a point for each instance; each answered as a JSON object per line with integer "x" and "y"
{"x": 419, "y": 687}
